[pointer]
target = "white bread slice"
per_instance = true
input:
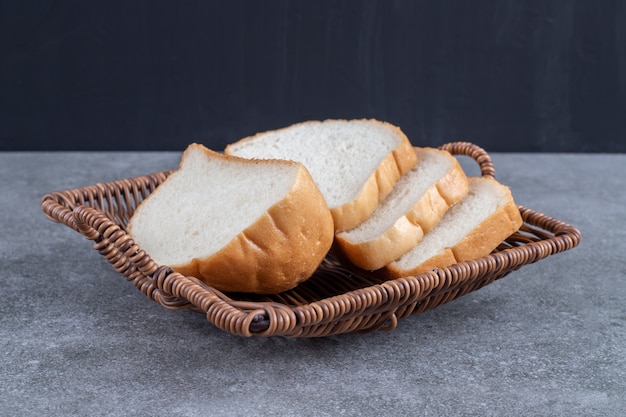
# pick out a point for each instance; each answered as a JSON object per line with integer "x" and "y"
{"x": 355, "y": 163}
{"x": 469, "y": 230}
{"x": 417, "y": 202}
{"x": 236, "y": 224}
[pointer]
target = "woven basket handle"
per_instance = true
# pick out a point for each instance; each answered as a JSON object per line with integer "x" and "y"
{"x": 476, "y": 153}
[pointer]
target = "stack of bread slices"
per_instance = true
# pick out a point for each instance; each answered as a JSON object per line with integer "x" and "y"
{"x": 262, "y": 216}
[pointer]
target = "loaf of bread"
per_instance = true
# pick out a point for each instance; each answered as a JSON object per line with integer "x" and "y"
{"x": 470, "y": 229}
{"x": 355, "y": 163}
{"x": 414, "y": 206}
{"x": 238, "y": 225}
{"x": 261, "y": 217}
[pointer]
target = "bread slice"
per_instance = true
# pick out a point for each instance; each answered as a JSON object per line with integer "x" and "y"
{"x": 470, "y": 229}
{"x": 355, "y": 163}
{"x": 414, "y": 206}
{"x": 236, "y": 224}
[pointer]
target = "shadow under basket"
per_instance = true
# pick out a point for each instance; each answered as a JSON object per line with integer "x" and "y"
{"x": 338, "y": 298}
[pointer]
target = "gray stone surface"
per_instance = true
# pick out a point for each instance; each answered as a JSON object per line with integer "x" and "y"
{"x": 548, "y": 340}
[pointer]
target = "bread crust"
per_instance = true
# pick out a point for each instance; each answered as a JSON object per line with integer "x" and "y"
{"x": 375, "y": 253}
{"x": 409, "y": 229}
{"x": 275, "y": 252}
{"x": 479, "y": 242}
{"x": 440, "y": 260}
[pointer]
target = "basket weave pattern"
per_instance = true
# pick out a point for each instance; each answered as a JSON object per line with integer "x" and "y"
{"x": 339, "y": 298}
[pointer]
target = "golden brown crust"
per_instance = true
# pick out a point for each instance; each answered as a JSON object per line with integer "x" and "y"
{"x": 454, "y": 185}
{"x": 429, "y": 209}
{"x": 376, "y": 253}
{"x": 440, "y": 260}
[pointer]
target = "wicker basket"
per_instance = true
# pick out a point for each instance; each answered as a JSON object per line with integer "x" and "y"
{"x": 339, "y": 298}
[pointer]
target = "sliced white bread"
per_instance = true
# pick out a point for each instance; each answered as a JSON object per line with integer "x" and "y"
{"x": 236, "y": 224}
{"x": 470, "y": 229}
{"x": 417, "y": 202}
{"x": 355, "y": 163}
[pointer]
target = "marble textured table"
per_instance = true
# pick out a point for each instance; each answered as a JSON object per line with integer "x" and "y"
{"x": 78, "y": 339}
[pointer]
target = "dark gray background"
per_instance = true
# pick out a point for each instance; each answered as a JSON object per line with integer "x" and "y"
{"x": 509, "y": 75}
